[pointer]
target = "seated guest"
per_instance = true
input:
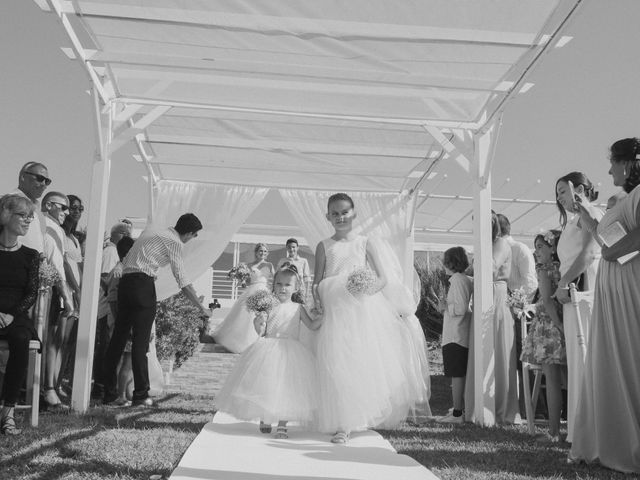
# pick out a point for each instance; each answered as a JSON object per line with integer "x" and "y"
{"x": 19, "y": 266}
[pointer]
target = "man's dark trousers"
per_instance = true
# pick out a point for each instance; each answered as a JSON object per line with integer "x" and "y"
{"x": 136, "y": 313}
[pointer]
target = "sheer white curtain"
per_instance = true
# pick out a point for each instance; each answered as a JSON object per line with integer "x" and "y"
{"x": 220, "y": 208}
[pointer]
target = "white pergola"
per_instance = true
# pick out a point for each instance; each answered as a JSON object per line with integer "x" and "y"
{"x": 358, "y": 95}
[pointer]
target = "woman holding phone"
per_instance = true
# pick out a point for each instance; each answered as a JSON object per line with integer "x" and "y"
{"x": 579, "y": 255}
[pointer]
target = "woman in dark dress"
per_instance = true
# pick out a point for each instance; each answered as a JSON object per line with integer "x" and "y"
{"x": 18, "y": 292}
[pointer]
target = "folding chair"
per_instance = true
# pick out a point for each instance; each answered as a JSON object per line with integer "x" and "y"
{"x": 530, "y": 398}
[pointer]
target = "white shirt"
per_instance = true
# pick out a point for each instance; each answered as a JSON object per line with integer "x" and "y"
{"x": 34, "y": 237}
{"x": 523, "y": 267}
{"x": 55, "y": 245}
{"x": 156, "y": 250}
{"x": 457, "y": 316}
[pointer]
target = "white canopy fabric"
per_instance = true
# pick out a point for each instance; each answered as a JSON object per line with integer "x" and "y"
{"x": 327, "y": 95}
{"x": 359, "y": 96}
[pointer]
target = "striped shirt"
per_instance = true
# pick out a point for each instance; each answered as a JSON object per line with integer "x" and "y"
{"x": 156, "y": 250}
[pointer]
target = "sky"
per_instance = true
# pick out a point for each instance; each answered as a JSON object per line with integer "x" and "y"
{"x": 585, "y": 97}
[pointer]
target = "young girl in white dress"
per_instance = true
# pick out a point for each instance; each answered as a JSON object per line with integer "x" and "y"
{"x": 274, "y": 380}
{"x": 236, "y": 332}
{"x": 366, "y": 374}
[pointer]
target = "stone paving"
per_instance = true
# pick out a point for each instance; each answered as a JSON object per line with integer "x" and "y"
{"x": 204, "y": 373}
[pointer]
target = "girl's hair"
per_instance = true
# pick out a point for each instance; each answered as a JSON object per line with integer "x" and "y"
{"x": 10, "y": 203}
{"x": 495, "y": 226}
{"x": 340, "y": 196}
{"x": 550, "y": 238}
{"x": 456, "y": 259}
{"x": 259, "y": 246}
{"x": 290, "y": 269}
{"x": 577, "y": 178}
{"x": 628, "y": 150}
{"x": 69, "y": 225}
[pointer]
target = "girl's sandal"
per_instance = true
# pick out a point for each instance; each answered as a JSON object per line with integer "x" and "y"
{"x": 264, "y": 427}
{"x": 340, "y": 438}
{"x": 281, "y": 432}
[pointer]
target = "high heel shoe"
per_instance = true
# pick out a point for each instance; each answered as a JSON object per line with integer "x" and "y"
{"x": 8, "y": 425}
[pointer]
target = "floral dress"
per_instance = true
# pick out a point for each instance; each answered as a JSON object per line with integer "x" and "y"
{"x": 545, "y": 344}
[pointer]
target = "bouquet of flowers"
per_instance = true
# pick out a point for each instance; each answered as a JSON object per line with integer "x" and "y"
{"x": 48, "y": 276}
{"x": 517, "y": 301}
{"x": 362, "y": 281}
{"x": 241, "y": 273}
{"x": 262, "y": 301}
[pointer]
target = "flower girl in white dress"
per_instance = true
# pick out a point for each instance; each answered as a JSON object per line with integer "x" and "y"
{"x": 274, "y": 380}
{"x": 366, "y": 370}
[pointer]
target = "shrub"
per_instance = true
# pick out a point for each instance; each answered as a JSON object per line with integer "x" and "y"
{"x": 178, "y": 326}
{"x": 434, "y": 286}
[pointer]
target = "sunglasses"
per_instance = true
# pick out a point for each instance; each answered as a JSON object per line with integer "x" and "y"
{"x": 62, "y": 206}
{"x": 77, "y": 208}
{"x": 40, "y": 178}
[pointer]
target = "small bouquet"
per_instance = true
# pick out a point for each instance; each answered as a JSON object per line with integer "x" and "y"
{"x": 48, "y": 276}
{"x": 517, "y": 301}
{"x": 362, "y": 281}
{"x": 262, "y": 301}
{"x": 241, "y": 273}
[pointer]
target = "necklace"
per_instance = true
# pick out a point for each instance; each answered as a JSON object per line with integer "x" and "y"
{"x": 8, "y": 247}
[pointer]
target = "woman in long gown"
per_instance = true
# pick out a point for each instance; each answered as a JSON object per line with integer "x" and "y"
{"x": 507, "y": 409}
{"x": 607, "y": 427}
{"x": 236, "y": 332}
{"x": 579, "y": 257}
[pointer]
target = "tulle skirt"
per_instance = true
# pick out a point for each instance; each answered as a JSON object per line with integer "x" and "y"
{"x": 273, "y": 380}
{"x": 366, "y": 373}
{"x": 236, "y": 332}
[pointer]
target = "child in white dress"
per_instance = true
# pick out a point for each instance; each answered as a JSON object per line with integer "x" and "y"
{"x": 366, "y": 377}
{"x": 274, "y": 380}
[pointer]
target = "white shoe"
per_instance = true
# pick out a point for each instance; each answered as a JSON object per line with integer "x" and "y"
{"x": 451, "y": 419}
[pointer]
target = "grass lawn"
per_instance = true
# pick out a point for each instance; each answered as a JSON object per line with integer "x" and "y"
{"x": 138, "y": 443}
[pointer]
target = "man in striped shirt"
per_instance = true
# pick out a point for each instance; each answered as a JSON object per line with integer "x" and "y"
{"x": 137, "y": 301}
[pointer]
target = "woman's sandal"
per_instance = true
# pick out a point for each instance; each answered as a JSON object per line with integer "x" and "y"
{"x": 340, "y": 437}
{"x": 281, "y": 432}
{"x": 8, "y": 426}
{"x": 265, "y": 427}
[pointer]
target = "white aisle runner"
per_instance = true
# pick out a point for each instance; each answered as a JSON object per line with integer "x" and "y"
{"x": 229, "y": 449}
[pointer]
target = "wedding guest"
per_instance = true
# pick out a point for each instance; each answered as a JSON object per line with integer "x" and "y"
{"x": 579, "y": 256}
{"x": 33, "y": 180}
{"x": 137, "y": 301}
{"x": 73, "y": 268}
{"x": 18, "y": 292}
{"x": 55, "y": 206}
{"x": 105, "y": 323}
{"x": 236, "y": 332}
{"x": 545, "y": 345}
{"x": 506, "y": 388}
{"x": 607, "y": 426}
{"x": 455, "y": 329}
{"x": 523, "y": 276}
{"x": 300, "y": 263}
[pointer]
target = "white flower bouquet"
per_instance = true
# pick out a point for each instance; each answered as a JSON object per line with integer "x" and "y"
{"x": 362, "y": 281}
{"x": 241, "y": 273}
{"x": 262, "y": 301}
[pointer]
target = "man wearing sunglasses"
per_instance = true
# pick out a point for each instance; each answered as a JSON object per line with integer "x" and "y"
{"x": 32, "y": 182}
{"x": 55, "y": 206}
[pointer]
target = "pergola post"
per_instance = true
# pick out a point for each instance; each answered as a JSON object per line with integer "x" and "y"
{"x": 92, "y": 260}
{"x": 483, "y": 342}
